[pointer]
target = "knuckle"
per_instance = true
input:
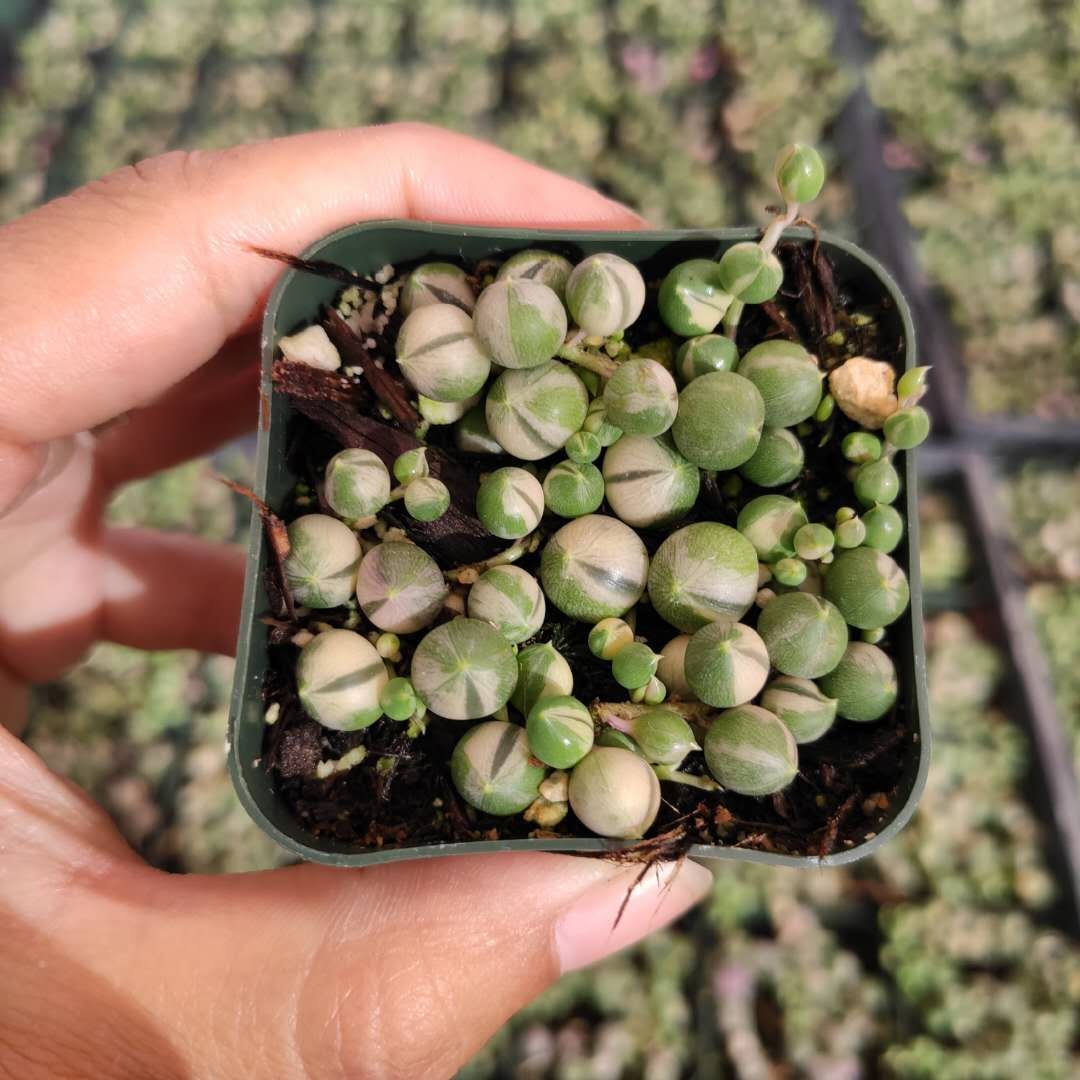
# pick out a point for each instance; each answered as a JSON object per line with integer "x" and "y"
{"x": 384, "y": 1014}
{"x": 145, "y": 183}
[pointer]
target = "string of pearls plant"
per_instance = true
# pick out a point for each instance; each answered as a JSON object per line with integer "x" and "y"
{"x": 777, "y": 622}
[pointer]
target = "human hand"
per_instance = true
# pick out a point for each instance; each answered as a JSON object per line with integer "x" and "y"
{"x": 137, "y": 298}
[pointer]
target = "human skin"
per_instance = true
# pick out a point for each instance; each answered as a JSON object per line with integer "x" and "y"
{"x": 129, "y": 309}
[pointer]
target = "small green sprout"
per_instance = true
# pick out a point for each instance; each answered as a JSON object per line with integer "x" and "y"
{"x": 791, "y": 572}
{"x": 663, "y": 737}
{"x": 850, "y": 533}
{"x": 412, "y": 465}
{"x": 609, "y": 637}
{"x": 860, "y": 447}
{"x": 877, "y": 482}
{"x": 427, "y": 499}
{"x": 583, "y": 447}
{"x": 907, "y": 427}
{"x": 634, "y": 665}
{"x": 398, "y": 699}
{"x": 800, "y": 173}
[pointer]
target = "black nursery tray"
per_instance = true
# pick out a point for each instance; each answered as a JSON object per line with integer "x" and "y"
{"x": 365, "y": 248}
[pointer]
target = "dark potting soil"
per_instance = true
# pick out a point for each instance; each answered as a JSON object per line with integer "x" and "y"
{"x": 401, "y": 793}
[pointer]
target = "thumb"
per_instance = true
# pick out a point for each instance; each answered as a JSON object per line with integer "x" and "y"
{"x": 400, "y": 971}
{"x": 405, "y": 970}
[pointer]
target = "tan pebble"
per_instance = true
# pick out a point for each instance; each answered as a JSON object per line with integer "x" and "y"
{"x": 864, "y": 390}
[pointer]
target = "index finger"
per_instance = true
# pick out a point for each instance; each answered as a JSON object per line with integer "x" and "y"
{"x": 114, "y": 293}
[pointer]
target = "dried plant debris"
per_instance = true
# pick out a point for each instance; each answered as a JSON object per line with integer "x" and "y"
{"x": 541, "y": 492}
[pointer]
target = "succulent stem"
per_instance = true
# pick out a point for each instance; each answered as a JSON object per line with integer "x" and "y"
{"x": 604, "y": 366}
{"x": 667, "y": 772}
{"x": 731, "y": 318}
{"x": 776, "y": 228}
{"x": 467, "y": 575}
{"x": 619, "y": 713}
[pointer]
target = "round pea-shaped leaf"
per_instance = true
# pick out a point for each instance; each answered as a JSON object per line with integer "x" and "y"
{"x": 770, "y": 523}
{"x": 777, "y": 461}
{"x": 536, "y": 265}
{"x": 704, "y": 354}
{"x": 615, "y": 793}
{"x": 863, "y": 683}
{"x": 605, "y": 294}
{"x": 726, "y": 663}
{"x": 464, "y": 669}
{"x": 634, "y": 665}
{"x": 510, "y": 599}
{"x": 572, "y": 489}
{"x": 648, "y": 483}
{"x": 868, "y": 587}
{"x": 437, "y": 283}
{"x": 750, "y": 273}
{"x": 520, "y": 323}
{"x": 320, "y": 569}
{"x": 533, "y": 412}
{"x": 426, "y": 498}
{"x": 703, "y": 572}
{"x": 750, "y": 751}
{"x": 440, "y": 355}
{"x": 671, "y": 670}
{"x": 907, "y": 427}
{"x": 801, "y": 706}
{"x": 597, "y": 422}
{"x": 719, "y": 422}
{"x": 609, "y": 637}
{"x": 859, "y": 447}
{"x": 593, "y": 568}
{"x": 663, "y": 737}
{"x": 400, "y": 587}
{"x": 398, "y": 699}
{"x": 560, "y": 731}
{"x": 356, "y": 483}
{"x": 884, "y": 528}
{"x": 692, "y": 299}
{"x": 542, "y": 672}
{"x": 493, "y": 770}
{"x": 510, "y": 503}
{"x": 805, "y": 635}
{"x": 813, "y": 541}
{"x": 800, "y": 173}
{"x": 583, "y": 447}
{"x": 787, "y": 378}
{"x": 877, "y": 482}
{"x": 411, "y": 465}
{"x": 339, "y": 677}
{"x": 641, "y": 397}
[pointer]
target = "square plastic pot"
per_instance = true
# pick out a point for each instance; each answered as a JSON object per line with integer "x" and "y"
{"x": 365, "y": 248}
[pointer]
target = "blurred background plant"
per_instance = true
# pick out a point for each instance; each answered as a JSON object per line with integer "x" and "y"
{"x": 943, "y": 957}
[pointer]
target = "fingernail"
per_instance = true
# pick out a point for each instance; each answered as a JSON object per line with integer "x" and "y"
{"x": 24, "y": 471}
{"x": 588, "y": 931}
